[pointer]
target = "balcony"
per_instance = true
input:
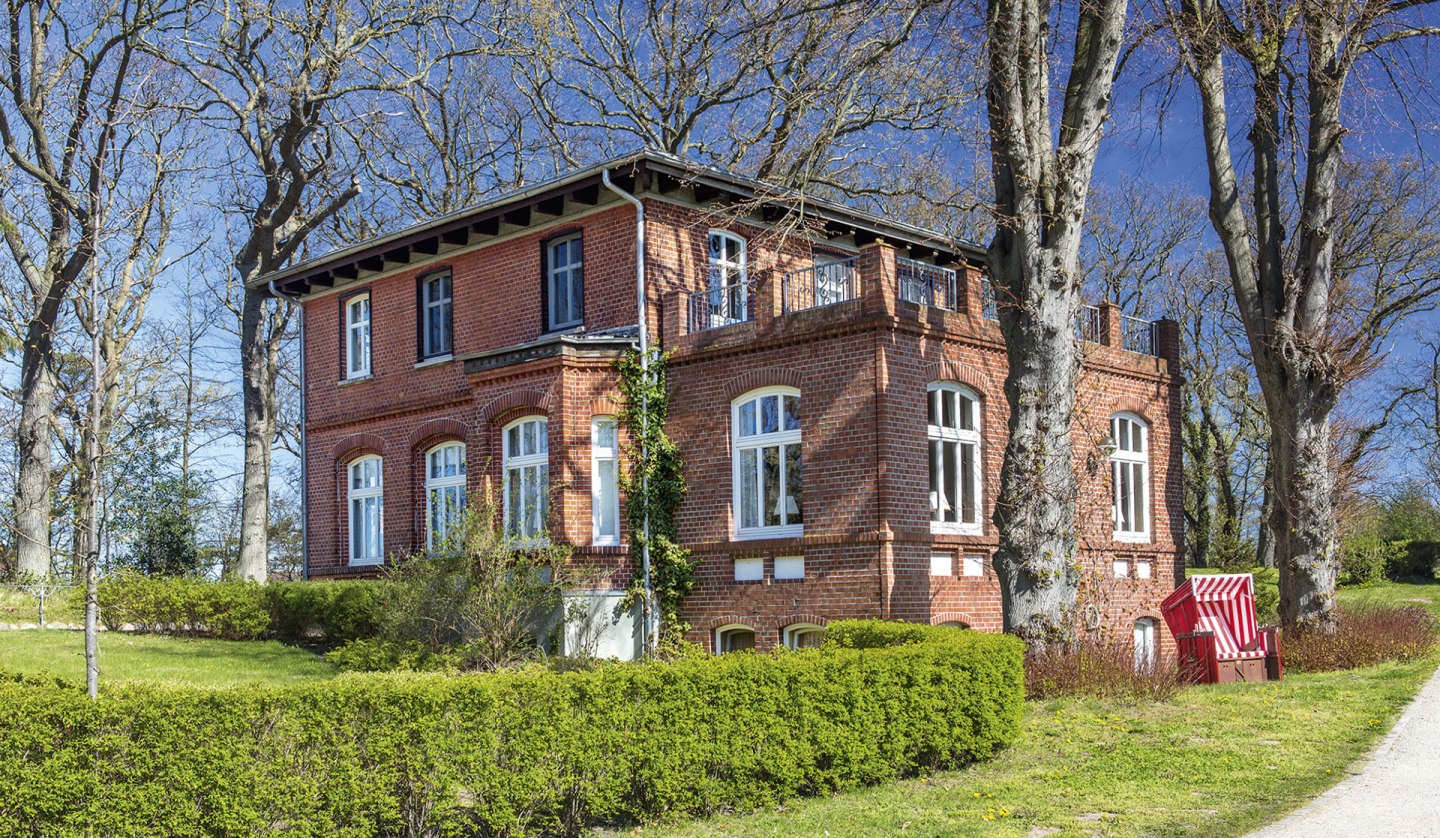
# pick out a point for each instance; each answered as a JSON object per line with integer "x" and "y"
{"x": 721, "y": 305}
{"x": 824, "y": 284}
{"x": 880, "y": 283}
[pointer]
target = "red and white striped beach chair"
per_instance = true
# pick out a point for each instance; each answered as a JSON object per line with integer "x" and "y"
{"x": 1216, "y": 633}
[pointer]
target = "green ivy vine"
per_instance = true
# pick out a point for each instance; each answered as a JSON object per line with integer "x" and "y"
{"x": 652, "y": 455}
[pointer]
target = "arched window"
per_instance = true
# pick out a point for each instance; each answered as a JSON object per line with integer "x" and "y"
{"x": 444, "y": 490}
{"x": 734, "y": 638}
{"x": 803, "y": 635}
{"x": 766, "y": 457}
{"x": 1144, "y": 644}
{"x": 527, "y": 478}
{"x": 954, "y": 624}
{"x": 367, "y": 511}
{"x": 1130, "y": 470}
{"x": 953, "y": 430}
{"x": 605, "y": 480}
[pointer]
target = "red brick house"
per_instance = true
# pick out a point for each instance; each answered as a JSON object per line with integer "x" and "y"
{"x": 476, "y": 350}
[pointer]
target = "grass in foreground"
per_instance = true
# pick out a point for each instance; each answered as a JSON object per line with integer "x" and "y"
{"x": 1214, "y": 761}
{"x": 152, "y": 658}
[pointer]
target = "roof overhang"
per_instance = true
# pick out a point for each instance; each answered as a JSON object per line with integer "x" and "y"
{"x": 642, "y": 172}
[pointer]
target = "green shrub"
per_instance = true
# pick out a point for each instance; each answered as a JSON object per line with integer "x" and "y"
{"x": 233, "y": 610}
{"x": 183, "y": 605}
{"x": 878, "y": 634}
{"x": 374, "y": 654}
{"x": 338, "y": 611}
{"x": 1420, "y": 560}
{"x": 1365, "y": 557}
{"x": 515, "y": 753}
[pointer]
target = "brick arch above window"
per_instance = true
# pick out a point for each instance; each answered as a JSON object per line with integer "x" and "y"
{"x": 607, "y": 405}
{"x": 960, "y": 373}
{"x": 748, "y": 621}
{"x": 1130, "y": 404}
{"x": 763, "y": 377}
{"x": 812, "y": 619}
{"x": 357, "y": 445}
{"x": 438, "y": 430}
{"x": 960, "y": 617}
{"x": 502, "y": 409}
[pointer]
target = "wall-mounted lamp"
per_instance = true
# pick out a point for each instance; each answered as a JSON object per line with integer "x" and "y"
{"x": 1106, "y": 446}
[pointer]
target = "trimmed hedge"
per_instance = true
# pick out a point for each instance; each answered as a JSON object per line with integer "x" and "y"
{"x": 292, "y": 612}
{"x": 529, "y": 752}
{"x": 879, "y": 634}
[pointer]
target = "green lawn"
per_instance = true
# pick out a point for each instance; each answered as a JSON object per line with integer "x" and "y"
{"x": 1215, "y": 761}
{"x": 152, "y": 658}
{"x": 1424, "y": 593}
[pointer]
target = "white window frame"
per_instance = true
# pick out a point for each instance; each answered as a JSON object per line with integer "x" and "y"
{"x": 601, "y": 455}
{"x": 794, "y": 633}
{"x": 357, "y": 337}
{"x": 364, "y": 494}
{"x": 1129, "y": 458}
{"x": 1146, "y": 648}
{"x": 437, "y": 529}
{"x": 938, "y": 435}
{"x": 572, "y": 273}
{"x": 781, "y": 438}
{"x": 722, "y": 633}
{"x": 534, "y": 527}
{"x": 724, "y": 272}
{"x": 442, "y": 299}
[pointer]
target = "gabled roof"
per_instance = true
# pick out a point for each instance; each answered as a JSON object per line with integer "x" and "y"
{"x": 638, "y": 172}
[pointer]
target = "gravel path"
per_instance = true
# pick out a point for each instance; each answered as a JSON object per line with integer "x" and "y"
{"x": 1396, "y": 794}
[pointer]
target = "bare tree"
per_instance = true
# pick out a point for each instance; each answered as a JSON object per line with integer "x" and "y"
{"x": 277, "y": 83}
{"x": 70, "y": 80}
{"x": 801, "y": 93}
{"x": 1285, "y": 267}
{"x": 1042, "y": 178}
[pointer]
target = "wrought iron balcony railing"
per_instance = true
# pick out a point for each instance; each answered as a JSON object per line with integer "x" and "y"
{"x": 721, "y": 305}
{"x": 925, "y": 284}
{"x": 821, "y": 285}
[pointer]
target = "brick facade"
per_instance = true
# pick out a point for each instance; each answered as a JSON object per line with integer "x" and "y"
{"x": 861, "y": 367}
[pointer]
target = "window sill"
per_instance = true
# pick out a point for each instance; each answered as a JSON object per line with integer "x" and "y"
{"x": 956, "y": 529}
{"x": 366, "y": 562}
{"x": 605, "y": 542}
{"x": 435, "y": 361}
{"x": 770, "y": 532}
{"x": 1131, "y": 537}
{"x": 356, "y": 379}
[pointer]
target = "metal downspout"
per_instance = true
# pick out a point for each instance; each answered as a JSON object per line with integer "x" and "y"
{"x": 644, "y": 324}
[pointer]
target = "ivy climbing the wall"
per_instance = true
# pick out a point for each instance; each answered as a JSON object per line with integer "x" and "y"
{"x": 654, "y": 483}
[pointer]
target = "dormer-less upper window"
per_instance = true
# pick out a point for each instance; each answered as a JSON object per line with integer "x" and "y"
{"x": 565, "y": 283}
{"x": 435, "y": 313}
{"x": 357, "y": 337}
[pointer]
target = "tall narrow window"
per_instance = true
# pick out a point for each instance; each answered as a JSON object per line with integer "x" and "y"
{"x": 357, "y": 337}
{"x": 1144, "y": 644}
{"x": 527, "y": 479}
{"x": 435, "y": 309}
{"x": 766, "y": 458}
{"x": 1130, "y": 470}
{"x": 444, "y": 490}
{"x": 953, "y": 430}
{"x": 729, "y": 297}
{"x": 605, "y": 480}
{"x": 367, "y": 511}
{"x": 566, "y": 280}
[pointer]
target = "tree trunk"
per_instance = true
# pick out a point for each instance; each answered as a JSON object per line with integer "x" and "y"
{"x": 1035, "y": 514}
{"x": 1040, "y": 191}
{"x": 1303, "y": 508}
{"x": 258, "y": 389}
{"x": 33, "y": 441}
